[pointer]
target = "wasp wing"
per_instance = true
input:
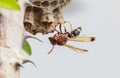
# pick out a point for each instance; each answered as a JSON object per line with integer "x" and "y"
{"x": 82, "y": 39}
{"x": 75, "y": 48}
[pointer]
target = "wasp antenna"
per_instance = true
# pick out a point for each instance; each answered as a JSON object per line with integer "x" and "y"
{"x": 29, "y": 35}
{"x": 51, "y": 49}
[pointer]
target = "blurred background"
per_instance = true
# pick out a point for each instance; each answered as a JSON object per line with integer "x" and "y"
{"x": 99, "y": 18}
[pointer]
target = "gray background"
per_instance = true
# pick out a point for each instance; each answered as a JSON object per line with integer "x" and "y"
{"x": 100, "y": 18}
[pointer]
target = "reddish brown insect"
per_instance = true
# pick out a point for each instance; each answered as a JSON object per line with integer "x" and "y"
{"x": 61, "y": 39}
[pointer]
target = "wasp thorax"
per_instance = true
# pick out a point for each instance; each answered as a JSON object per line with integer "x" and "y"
{"x": 58, "y": 39}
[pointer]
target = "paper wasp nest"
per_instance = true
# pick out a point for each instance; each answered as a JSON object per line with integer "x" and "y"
{"x": 40, "y": 19}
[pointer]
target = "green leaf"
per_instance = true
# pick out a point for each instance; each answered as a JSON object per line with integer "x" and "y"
{"x": 26, "y": 47}
{"x": 9, "y": 4}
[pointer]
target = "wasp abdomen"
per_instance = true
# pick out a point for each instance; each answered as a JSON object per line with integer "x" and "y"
{"x": 76, "y": 32}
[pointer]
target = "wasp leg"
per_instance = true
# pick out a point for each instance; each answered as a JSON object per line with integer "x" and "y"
{"x": 60, "y": 27}
{"x": 64, "y": 28}
{"x": 75, "y": 48}
{"x": 51, "y": 49}
{"x": 55, "y": 28}
{"x": 68, "y": 23}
